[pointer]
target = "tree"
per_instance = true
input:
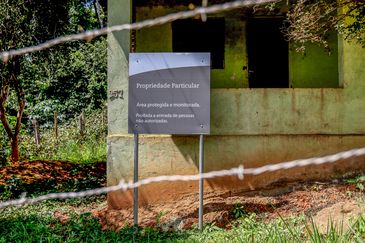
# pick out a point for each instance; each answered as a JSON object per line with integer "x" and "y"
{"x": 24, "y": 23}
{"x": 310, "y": 21}
{"x": 69, "y": 79}
{"x": 10, "y": 80}
{"x": 66, "y": 78}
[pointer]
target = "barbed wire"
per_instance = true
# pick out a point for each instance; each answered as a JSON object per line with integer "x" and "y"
{"x": 89, "y": 35}
{"x": 240, "y": 172}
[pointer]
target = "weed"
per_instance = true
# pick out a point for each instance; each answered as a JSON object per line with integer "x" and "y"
{"x": 14, "y": 187}
{"x": 36, "y": 223}
{"x": 238, "y": 211}
{"x": 358, "y": 181}
{"x": 159, "y": 216}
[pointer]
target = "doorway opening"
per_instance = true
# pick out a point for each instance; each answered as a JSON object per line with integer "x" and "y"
{"x": 268, "y": 53}
{"x": 193, "y": 35}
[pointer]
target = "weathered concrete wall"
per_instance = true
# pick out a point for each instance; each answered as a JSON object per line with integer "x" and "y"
{"x": 252, "y": 127}
{"x": 165, "y": 155}
{"x": 118, "y": 51}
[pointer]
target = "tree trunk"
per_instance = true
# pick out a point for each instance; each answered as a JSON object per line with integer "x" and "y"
{"x": 12, "y": 81}
{"x": 21, "y": 105}
{"x": 15, "y": 148}
{"x": 4, "y": 94}
{"x": 98, "y": 13}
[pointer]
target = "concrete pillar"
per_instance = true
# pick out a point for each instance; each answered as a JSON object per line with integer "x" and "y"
{"x": 119, "y": 12}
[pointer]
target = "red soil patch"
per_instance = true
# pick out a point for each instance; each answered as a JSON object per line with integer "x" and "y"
{"x": 40, "y": 170}
{"x": 285, "y": 201}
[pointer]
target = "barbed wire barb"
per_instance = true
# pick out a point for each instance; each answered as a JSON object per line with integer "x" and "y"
{"x": 89, "y": 35}
{"x": 203, "y": 15}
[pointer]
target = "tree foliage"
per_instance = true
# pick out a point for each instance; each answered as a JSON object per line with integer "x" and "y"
{"x": 310, "y": 21}
{"x": 66, "y": 78}
{"x": 23, "y": 23}
{"x": 71, "y": 78}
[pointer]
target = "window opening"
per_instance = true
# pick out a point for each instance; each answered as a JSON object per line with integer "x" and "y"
{"x": 193, "y": 35}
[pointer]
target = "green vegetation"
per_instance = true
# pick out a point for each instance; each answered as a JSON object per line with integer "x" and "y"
{"x": 38, "y": 224}
{"x": 70, "y": 145}
{"x": 358, "y": 181}
{"x": 74, "y": 177}
{"x": 238, "y": 211}
{"x": 70, "y": 221}
{"x": 66, "y": 79}
{"x": 313, "y": 21}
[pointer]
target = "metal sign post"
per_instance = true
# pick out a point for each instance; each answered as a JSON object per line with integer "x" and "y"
{"x": 169, "y": 93}
{"x": 201, "y": 181}
{"x": 135, "y": 179}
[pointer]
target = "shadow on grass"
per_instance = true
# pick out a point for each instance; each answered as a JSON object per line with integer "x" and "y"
{"x": 79, "y": 228}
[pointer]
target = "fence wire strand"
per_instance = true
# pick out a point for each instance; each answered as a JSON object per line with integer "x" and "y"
{"x": 89, "y": 35}
{"x": 240, "y": 172}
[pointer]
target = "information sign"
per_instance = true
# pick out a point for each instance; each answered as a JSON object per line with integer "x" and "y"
{"x": 169, "y": 93}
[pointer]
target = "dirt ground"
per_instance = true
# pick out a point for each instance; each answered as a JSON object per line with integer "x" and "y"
{"x": 40, "y": 171}
{"x": 337, "y": 200}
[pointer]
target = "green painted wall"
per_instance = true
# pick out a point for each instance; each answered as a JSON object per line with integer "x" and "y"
{"x": 317, "y": 67}
{"x": 118, "y": 51}
{"x": 154, "y": 39}
{"x": 233, "y": 75}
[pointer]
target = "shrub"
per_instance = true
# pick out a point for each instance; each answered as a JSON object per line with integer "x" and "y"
{"x": 69, "y": 145}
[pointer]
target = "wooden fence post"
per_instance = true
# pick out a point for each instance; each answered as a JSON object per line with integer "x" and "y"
{"x": 82, "y": 124}
{"x": 37, "y": 136}
{"x": 55, "y": 124}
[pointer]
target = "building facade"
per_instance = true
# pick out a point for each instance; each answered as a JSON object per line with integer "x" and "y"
{"x": 269, "y": 103}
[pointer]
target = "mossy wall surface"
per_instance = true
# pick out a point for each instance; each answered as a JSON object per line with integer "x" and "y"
{"x": 317, "y": 67}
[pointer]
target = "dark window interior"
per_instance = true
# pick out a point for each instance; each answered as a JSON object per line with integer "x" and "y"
{"x": 193, "y": 35}
{"x": 267, "y": 53}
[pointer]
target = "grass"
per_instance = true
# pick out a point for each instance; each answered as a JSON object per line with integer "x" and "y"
{"x": 37, "y": 223}
{"x": 69, "y": 145}
{"x": 87, "y": 152}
